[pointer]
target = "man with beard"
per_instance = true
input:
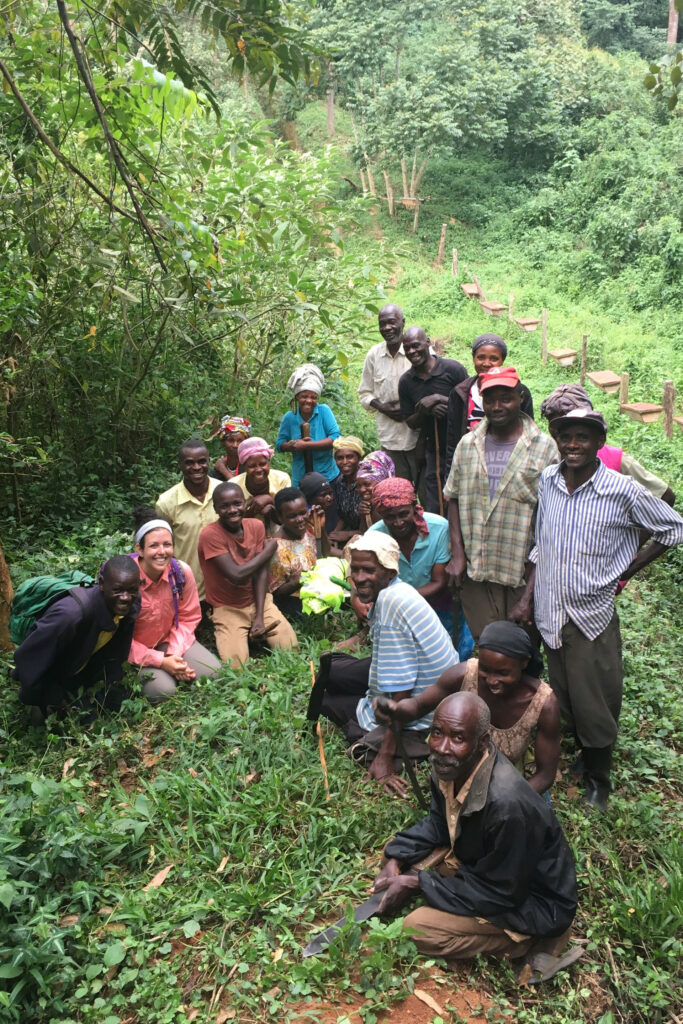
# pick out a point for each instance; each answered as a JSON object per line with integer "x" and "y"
{"x": 507, "y": 885}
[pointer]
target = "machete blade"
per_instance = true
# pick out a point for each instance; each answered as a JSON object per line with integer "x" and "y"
{"x": 361, "y": 913}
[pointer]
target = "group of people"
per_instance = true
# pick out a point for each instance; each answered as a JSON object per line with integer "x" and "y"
{"x": 468, "y": 525}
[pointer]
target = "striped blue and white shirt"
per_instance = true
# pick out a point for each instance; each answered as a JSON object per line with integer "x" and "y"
{"x": 584, "y": 543}
{"x": 410, "y": 649}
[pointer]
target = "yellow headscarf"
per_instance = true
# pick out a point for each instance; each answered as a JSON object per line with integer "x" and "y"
{"x": 354, "y": 443}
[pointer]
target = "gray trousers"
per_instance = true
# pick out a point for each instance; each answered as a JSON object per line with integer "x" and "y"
{"x": 158, "y": 685}
{"x": 587, "y": 678}
{"x": 406, "y": 463}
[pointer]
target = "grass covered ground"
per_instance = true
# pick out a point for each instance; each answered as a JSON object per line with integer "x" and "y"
{"x": 168, "y": 865}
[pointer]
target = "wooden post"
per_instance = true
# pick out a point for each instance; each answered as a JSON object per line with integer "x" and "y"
{"x": 544, "y": 336}
{"x": 623, "y": 389}
{"x": 511, "y": 306}
{"x": 390, "y": 194}
{"x": 417, "y": 214}
{"x": 479, "y": 288}
{"x": 330, "y": 113}
{"x": 371, "y": 180}
{"x": 442, "y": 246}
{"x": 412, "y": 174}
{"x": 584, "y": 352}
{"x": 404, "y": 174}
{"x": 454, "y": 263}
{"x": 6, "y": 595}
{"x": 362, "y": 181}
{"x": 668, "y": 400}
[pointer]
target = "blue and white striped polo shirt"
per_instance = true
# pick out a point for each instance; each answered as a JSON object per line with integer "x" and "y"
{"x": 410, "y": 649}
{"x": 585, "y": 541}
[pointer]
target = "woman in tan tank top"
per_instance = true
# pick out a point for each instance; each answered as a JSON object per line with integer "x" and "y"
{"x": 524, "y": 710}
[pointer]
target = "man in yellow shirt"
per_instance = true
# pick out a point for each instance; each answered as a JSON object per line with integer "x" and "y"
{"x": 188, "y": 505}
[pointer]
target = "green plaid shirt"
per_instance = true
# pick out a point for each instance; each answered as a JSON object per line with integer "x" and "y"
{"x": 498, "y": 534}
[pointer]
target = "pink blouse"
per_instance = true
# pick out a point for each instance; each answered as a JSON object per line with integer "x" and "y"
{"x": 156, "y": 622}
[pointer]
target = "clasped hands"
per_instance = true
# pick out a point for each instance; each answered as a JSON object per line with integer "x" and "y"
{"x": 398, "y": 888}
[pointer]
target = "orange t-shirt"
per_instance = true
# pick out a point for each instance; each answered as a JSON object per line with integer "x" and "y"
{"x": 216, "y": 540}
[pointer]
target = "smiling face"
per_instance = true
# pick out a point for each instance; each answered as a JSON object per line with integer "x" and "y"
{"x": 324, "y": 498}
{"x": 365, "y": 486}
{"x": 229, "y": 506}
{"x": 155, "y": 551}
{"x": 347, "y": 460}
{"x": 416, "y": 347}
{"x": 257, "y": 468}
{"x": 368, "y": 576}
{"x": 501, "y": 406}
{"x": 486, "y": 357}
{"x": 307, "y": 402}
{"x": 194, "y": 465}
{"x": 391, "y": 322}
{"x": 120, "y": 588}
{"x": 293, "y": 515}
{"x": 400, "y": 521}
{"x": 455, "y": 747}
{"x": 499, "y": 673}
{"x": 579, "y": 444}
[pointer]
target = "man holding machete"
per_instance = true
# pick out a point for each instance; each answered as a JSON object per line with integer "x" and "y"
{"x": 507, "y": 885}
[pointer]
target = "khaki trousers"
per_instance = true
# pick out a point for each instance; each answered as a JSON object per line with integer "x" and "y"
{"x": 484, "y": 602}
{"x": 158, "y": 686}
{"x": 232, "y": 627}
{"x": 458, "y": 938}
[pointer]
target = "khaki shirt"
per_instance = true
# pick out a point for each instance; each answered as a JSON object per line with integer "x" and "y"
{"x": 188, "y": 516}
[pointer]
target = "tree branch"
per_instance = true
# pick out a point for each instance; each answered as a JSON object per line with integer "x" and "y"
{"x": 109, "y": 138}
{"x": 64, "y": 160}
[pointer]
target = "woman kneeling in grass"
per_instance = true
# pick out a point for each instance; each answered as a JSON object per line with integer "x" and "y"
{"x": 164, "y": 644}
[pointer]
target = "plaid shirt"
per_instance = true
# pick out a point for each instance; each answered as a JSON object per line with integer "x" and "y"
{"x": 498, "y": 534}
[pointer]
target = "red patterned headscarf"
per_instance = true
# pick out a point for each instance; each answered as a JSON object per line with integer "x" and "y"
{"x": 394, "y": 492}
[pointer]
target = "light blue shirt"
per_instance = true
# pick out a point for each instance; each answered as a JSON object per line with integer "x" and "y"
{"x": 323, "y": 424}
{"x": 410, "y": 649}
{"x": 434, "y": 549}
{"x": 585, "y": 541}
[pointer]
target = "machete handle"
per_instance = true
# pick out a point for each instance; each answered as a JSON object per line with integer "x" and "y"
{"x": 432, "y": 860}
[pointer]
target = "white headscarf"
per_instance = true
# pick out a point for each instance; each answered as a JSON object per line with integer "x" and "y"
{"x": 306, "y": 377}
{"x": 384, "y": 547}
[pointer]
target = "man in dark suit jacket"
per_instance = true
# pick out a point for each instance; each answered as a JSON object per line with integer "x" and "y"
{"x": 81, "y": 640}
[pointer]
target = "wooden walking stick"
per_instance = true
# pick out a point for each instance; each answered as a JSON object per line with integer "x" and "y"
{"x": 321, "y": 747}
{"x": 438, "y": 466}
{"x": 308, "y": 455}
{"x": 317, "y": 533}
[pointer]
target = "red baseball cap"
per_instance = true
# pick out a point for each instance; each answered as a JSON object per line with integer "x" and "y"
{"x": 499, "y": 377}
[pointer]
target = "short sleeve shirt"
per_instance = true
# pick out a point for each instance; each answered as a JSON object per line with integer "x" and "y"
{"x": 188, "y": 516}
{"x": 216, "y": 540}
{"x": 441, "y": 381}
{"x": 434, "y": 549}
{"x": 322, "y": 424}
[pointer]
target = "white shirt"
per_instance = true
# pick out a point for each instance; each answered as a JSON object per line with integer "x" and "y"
{"x": 379, "y": 380}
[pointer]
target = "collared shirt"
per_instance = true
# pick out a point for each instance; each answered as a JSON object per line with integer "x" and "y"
{"x": 277, "y": 481}
{"x": 444, "y": 376}
{"x": 322, "y": 424}
{"x": 410, "y": 649}
{"x": 156, "y": 622}
{"x": 584, "y": 543}
{"x": 430, "y": 550}
{"x": 498, "y": 532}
{"x": 455, "y": 803}
{"x": 188, "y": 516}
{"x": 379, "y": 380}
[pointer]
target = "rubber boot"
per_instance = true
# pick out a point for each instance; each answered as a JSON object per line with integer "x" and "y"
{"x": 597, "y": 762}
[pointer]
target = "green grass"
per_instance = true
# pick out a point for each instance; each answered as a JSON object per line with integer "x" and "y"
{"x": 229, "y": 769}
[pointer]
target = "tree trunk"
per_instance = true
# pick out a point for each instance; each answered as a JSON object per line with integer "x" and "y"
{"x": 330, "y": 113}
{"x": 672, "y": 31}
{"x": 6, "y": 595}
{"x": 420, "y": 172}
{"x": 397, "y": 70}
{"x": 404, "y": 174}
{"x": 412, "y": 174}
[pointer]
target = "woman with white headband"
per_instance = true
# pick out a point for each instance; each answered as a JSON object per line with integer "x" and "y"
{"x": 164, "y": 645}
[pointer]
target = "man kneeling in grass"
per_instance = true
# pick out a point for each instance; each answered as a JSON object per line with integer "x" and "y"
{"x": 507, "y": 883}
{"x": 234, "y": 556}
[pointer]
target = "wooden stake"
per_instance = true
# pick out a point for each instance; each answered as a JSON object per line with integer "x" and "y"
{"x": 623, "y": 389}
{"x": 584, "y": 352}
{"x": 404, "y": 174}
{"x": 442, "y": 246}
{"x": 321, "y": 747}
{"x": 454, "y": 263}
{"x": 511, "y": 306}
{"x": 371, "y": 180}
{"x": 479, "y": 288}
{"x": 413, "y": 173}
{"x": 668, "y": 400}
{"x": 544, "y": 336}
{"x": 417, "y": 214}
{"x": 362, "y": 181}
{"x": 390, "y": 194}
